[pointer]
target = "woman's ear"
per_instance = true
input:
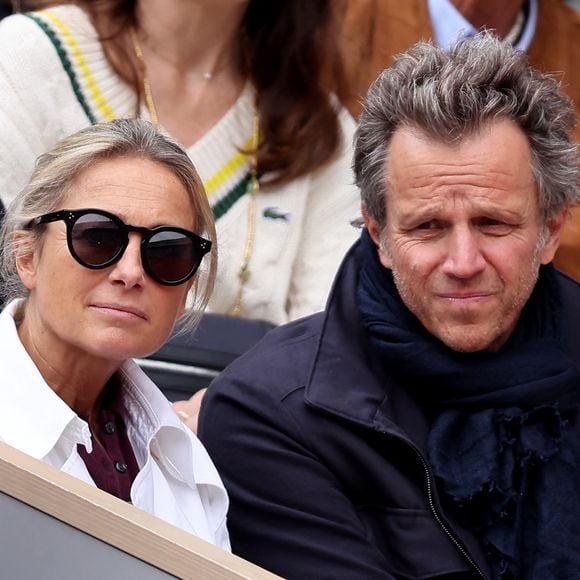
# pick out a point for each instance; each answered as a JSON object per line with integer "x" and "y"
{"x": 25, "y": 254}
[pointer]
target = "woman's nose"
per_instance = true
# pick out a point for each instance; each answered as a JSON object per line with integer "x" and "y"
{"x": 129, "y": 269}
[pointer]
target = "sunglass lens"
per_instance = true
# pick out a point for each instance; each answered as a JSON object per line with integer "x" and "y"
{"x": 171, "y": 256}
{"x": 97, "y": 240}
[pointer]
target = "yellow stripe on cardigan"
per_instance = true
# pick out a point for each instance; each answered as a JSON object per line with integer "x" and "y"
{"x": 211, "y": 184}
{"x": 223, "y": 174}
{"x": 81, "y": 62}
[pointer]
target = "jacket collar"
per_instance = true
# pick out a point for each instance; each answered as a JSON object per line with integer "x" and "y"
{"x": 344, "y": 379}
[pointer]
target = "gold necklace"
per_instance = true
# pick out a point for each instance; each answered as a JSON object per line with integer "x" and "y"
{"x": 149, "y": 102}
{"x": 244, "y": 272}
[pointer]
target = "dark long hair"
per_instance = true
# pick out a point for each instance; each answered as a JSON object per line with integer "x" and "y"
{"x": 291, "y": 56}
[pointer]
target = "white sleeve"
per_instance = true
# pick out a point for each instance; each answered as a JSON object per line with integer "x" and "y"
{"x": 333, "y": 202}
{"x": 37, "y": 103}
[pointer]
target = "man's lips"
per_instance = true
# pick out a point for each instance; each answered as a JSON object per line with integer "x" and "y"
{"x": 120, "y": 309}
{"x": 464, "y": 295}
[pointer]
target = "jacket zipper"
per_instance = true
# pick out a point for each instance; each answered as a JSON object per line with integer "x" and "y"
{"x": 438, "y": 519}
{"x": 434, "y": 511}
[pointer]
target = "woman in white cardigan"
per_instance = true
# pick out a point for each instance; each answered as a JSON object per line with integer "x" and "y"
{"x": 98, "y": 254}
{"x": 243, "y": 85}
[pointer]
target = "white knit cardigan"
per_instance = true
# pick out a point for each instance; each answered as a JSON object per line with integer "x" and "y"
{"x": 55, "y": 79}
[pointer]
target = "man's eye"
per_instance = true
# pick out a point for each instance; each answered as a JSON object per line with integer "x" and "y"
{"x": 490, "y": 222}
{"x": 494, "y": 226}
{"x": 430, "y": 225}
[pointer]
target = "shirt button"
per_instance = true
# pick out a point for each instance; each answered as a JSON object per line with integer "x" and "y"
{"x": 109, "y": 427}
{"x": 121, "y": 467}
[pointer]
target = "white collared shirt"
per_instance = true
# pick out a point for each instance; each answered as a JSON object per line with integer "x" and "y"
{"x": 448, "y": 23}
{"x": 177, "y": 480}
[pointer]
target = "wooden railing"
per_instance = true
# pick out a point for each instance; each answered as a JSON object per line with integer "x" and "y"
{"x": 53, "y": 525}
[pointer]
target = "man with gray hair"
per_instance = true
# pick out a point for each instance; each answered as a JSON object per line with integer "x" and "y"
{"x": 425, "y": 424}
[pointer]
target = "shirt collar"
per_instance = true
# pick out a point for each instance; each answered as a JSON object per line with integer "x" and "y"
{"x": 33, "y": 418}
{"x": 448, "y": 23}
{"x": 151, "y": 418}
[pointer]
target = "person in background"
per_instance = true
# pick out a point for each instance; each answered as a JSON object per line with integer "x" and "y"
{"x": 5, "y": 8}
{"x": 245, "y": 86}
{"x": 98, "y": 254}
{"x": 425, "y": 425}
{"x": 548, "y": 30}
{"x": 8, "y": 7}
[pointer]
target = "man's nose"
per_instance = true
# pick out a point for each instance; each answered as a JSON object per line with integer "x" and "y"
{"x": 464, "y": 256}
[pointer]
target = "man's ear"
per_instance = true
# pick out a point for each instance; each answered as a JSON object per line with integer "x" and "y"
{"x": 553, "y": 231}
{"x": 375, "y": 233}
{"x": 26, "y": 257}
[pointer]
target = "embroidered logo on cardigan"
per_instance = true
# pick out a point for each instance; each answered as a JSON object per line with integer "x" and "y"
{"x": 275, "y": 213}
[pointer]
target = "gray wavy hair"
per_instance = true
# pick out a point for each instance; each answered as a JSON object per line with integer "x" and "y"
{"x": 55, "y": 172}
{"x": 449, "y": 95}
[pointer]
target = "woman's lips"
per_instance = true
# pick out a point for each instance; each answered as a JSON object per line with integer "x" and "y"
{"x": 120, "y": 310}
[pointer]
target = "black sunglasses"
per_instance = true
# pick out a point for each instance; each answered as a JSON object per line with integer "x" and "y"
{"x": 97, "y": 239}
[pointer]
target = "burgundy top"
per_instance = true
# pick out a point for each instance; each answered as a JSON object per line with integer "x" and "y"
{"x": 112, "y": 464}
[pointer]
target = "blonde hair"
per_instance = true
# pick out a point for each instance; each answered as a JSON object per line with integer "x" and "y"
{"x": 55, "y": 172}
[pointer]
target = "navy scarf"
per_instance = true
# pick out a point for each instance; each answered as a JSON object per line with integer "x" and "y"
{"x": 502, "y": 444}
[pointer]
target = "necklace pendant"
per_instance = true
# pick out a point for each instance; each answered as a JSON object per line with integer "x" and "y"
{"x": 244, "y": 274}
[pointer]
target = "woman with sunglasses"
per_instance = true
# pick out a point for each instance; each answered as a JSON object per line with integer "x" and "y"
{"x": 98, "y": 255}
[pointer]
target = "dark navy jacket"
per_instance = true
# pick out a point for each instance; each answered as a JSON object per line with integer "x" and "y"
{"x": 324, "y": 456}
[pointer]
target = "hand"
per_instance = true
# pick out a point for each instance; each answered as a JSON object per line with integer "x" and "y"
{"x": 188, "y": 411}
